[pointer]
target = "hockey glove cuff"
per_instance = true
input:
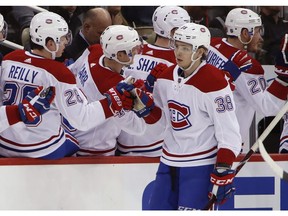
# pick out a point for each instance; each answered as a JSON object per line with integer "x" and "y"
{"x": 36, "y": 103}
{"x": 239, "y": 62}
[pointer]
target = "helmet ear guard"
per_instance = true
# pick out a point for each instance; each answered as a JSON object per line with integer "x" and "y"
{"x": 116, "y": 38}
{"x": 166, "y": 18}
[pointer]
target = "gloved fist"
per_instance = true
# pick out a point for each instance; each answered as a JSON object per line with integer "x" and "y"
{"x": 120, "y": 98}
{"x": 36, "y": 103}
{"x": 151, "y": 78}
{"x": 239, "y": 62}
{"x": 143, "y": 102}
{"x": 221, "y": 185}
{"x": 125, "y": 90}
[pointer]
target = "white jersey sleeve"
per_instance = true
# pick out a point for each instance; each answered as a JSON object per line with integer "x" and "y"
{"x": 4, "y": 124}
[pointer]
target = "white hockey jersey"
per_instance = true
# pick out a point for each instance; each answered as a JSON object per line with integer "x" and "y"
{"x": 150, "y": 57}
{"x": 251, "y": 92}
{"x": 150, "y": 143}
{"x": 4, "y": 121}
{"x": 23, "y": 71}
{"x": 94, "y": 79}
{"x": 200, "y": 116}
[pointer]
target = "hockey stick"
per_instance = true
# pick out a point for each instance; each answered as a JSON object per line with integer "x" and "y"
{"x": 253, "y": 149}
{"x": 275, "y": 167}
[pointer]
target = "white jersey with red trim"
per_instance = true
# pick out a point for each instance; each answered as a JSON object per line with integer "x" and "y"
{"x": 22, "y": 72}
{"x": 150, "y": 57}
{"x": 94, "y": 79}
{"x": 4, "y": 123}
{"x": 251, "y": 91}
{"x": 200, "y": 116}
{"x": 150, "y": 143}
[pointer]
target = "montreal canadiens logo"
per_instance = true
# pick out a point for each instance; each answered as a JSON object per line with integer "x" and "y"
{"x": 119, "y": 37}
{"x": 202, "y": 29}
{"x": 179, "y": 114}
{"x": 244, "y": 11}
{"x": 174, "y": 12}
{"x": 48, "y": 21}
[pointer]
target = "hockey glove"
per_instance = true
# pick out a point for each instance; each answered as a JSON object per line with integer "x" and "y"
{"x": 221, "y": 185}
{"x": 143, "y": 102}
{"x": 239, "y": 62}
{"x": 152, "y": 77}
{"x": 36, "y": 103}
{"x": 119, "y": 98}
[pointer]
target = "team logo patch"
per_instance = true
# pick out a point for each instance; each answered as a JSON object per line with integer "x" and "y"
{"x": 179, "y": 114}
{"x": 48, "y": 21}
{"x": 244, "y": 11}
{"x": 174, "y": 12}
{"x": 202, "y": 29}
{"x": 119, "y": 37}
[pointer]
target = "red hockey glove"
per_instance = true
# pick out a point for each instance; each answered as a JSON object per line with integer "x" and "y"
{"x": 139, "y": 83}
{"x": 120, "y": 98}
{"x": 152, "y": 77}
{"x": 36, "y": 103}
{"x": 239, "y": 62}
{"x": 221, "y": 185}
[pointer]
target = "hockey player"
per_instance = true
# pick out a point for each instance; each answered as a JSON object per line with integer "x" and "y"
{"x": 24, "y": 111}
{"x": 281, "y": 69}
{"x": 95, "y": 75}
{"x": 202, "y": 135}
{"x": 230, "y": 54}
{"x": 3, "y": 28}
{"x": 165, "y": 19}
{"x": 23, "y": 71}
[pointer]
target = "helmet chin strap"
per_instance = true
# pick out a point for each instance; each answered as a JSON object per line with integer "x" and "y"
{"x": 192, "y": 62}
{"x": 246, "y": 43}
{"x": 125, "y": 63}
{"x": 53, "y": 53}
{"x": 130, "y": 56}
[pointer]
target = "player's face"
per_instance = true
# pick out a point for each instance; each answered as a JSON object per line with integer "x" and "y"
{"x": 183, "y": 53}
{"x": 64, "y": 41}
{"x": 93, "y": 34}
{"x": 256, "y": 41}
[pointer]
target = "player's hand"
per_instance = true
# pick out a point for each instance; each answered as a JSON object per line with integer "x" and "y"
{"x": 36, "y": 103}
{"x": 120, "y": 98}
{"x": 143, "y": 102}
{"x": 152, "y": 77}
{"x": 221, "y": 184}
{"x": 125, "y": 90}
{"x": 239, "y": 62}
